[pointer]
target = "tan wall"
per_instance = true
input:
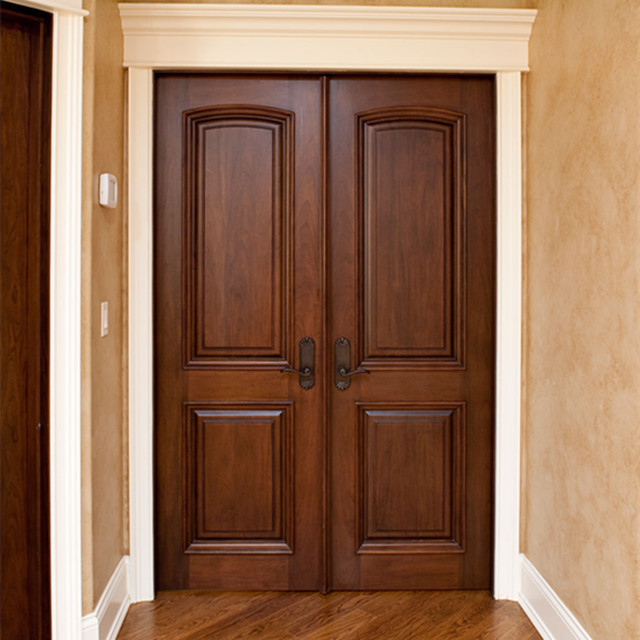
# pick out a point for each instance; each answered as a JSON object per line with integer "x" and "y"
{"x": 103, "y": 452}
{"x": 582, "y": 315}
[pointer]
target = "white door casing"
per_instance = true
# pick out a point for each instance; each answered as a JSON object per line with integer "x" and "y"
{"x": 326, "y": 38}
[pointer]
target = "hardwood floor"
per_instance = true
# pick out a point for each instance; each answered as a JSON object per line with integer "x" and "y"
{"x": 398, "y": 615}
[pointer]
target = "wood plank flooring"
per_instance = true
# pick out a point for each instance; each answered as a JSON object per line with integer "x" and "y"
{"x": 397, "y": 615}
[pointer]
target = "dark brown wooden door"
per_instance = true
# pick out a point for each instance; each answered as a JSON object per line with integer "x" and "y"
{"x": 25, "y": 68}
{"x": 238, "y": 285}
{"x": 350, "y": 209}
{"x": 412, "y": 288}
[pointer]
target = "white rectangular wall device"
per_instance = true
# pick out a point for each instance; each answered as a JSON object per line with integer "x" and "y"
{"x": 108, "y": 191}
{"x": 104, "y": 319}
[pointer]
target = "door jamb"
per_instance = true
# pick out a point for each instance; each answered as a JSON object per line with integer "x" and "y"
{"x": 366, "y": 38}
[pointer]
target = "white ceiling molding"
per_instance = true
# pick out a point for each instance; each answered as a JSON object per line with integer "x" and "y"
{"x": 239, "y": 36}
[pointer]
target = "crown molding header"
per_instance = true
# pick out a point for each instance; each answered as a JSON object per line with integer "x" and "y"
{"x": 325, "y": 37}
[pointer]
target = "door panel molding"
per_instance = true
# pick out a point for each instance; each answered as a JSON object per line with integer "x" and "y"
{"x": 394, "y": 331}
{"x": 219, "y": 439}
{"x": 471, "y": 36}
{"x": 262, "y": 333}
{"x": 439, "y": 436}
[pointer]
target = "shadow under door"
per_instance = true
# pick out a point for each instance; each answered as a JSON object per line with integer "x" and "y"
{"x": 324, "y": 331}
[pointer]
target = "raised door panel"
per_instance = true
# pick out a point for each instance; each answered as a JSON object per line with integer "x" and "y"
{"x": 237, "y": 236}
{"x": 411, "y": 473}
{"x": 239, "y": 473}
{"x": 411, "y": 174}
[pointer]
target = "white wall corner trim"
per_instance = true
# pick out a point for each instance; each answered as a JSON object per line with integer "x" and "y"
{"x": 549, "y": 614}
{"x": 188, "y": 36}
{"x": 105, "y": 622}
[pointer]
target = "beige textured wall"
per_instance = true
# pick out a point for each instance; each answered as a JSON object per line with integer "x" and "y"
{"x": 581, "y": 499}
{"x": 103, "y": 451}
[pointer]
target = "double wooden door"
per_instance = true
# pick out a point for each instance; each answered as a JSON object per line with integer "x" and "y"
{"x": 324, "y": 331}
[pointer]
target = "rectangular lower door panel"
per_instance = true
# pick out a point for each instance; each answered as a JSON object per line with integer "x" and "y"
{"x": 239, "y": 479}
{"x": 411, "y": 475}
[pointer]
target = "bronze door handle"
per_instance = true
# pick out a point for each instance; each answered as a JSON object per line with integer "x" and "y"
{"x": 307, "y": 363}
{"x": 342, "y": 362}
{"x": 345, "y": 374}
{"x": 304, "y": 373}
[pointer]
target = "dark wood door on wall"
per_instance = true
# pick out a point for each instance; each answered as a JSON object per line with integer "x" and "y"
{"x": 340, "y": 226}
{"x": 25, "y": 70}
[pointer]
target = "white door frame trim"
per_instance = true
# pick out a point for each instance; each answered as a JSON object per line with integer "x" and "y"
{"x": 330, "y": 38}
{"x": 64, "y": 310}
{"x": 65, "y": 367}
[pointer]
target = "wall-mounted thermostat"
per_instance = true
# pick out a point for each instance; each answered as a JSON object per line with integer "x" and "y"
{"x": 108, "y": 190}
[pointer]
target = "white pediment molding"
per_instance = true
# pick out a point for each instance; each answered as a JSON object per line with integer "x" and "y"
{"x": 327, "y": 37}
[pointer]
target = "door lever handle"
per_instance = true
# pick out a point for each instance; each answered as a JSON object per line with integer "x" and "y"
{"x": 307, "y": 363}
{"x": 346, "y": 374}
{"x": 304, "y": 373}
{"x": 342, "y": 362}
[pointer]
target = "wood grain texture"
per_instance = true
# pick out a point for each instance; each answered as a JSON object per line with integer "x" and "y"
{"x": 25, "y": 61}
{"x": 408, "y": 220}
{"x": 238, "y": 283}
{"x": 239, "y": 463}
{"x": 237, "y": 176}
{"x": 400, "y": 615}
{"x": 412, "y": 281}
{"x": 412, "y": 467}
{"x": 412, "y": 191}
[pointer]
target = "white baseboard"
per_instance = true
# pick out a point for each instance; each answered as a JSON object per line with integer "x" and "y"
{"x": 105, "y": 622}
{"x": 549, "y": 614}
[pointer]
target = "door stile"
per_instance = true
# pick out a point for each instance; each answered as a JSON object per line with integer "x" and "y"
{"x": 324, "y": 342}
